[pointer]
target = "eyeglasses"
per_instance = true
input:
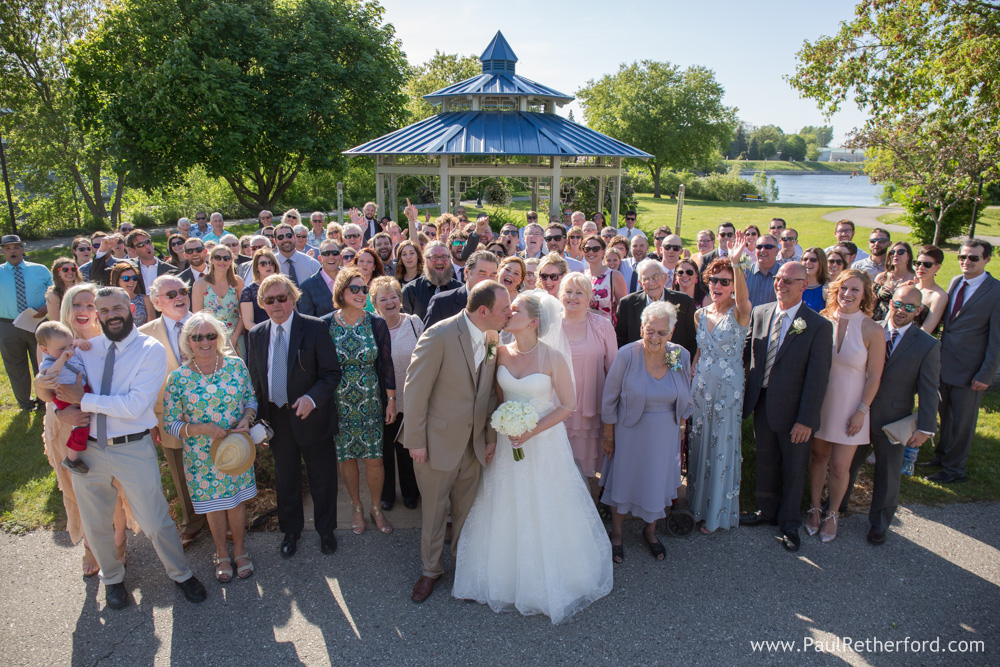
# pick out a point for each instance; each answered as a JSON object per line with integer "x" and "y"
{"x": 908, "y": 307}
{"x": 69, "y": 268}
{"x": 126, "y": 230}
{"x": 457, "y": 244}
{"x": 672, "y": 247}
{"x": 725, "y": 235}
{"x": 766, "y": 246}
{"x": 282, "y": 237}
{"x": 788, "y": 281}
{"x": 593, "y": 248}
{"x": 197, "y": 338}
{"x": 172, "y": 294}
{"x": 550, "y": 276}
{"x": 87, "y": 248}
{"x": 878, "y": 240}
{"x": 751, "y": 235}
{"x": 835, "y": 262}
{"x": 429, "y": 234}
{"x": 176, "y": 244}
{"x": 685, "y": 272}
{"x": 221, "y": 258}
{"x": 508, "y": 232}
{"x": 969, "y": 258}
{"x": 349, "y": 257}
{"x": 269, "y": 300}
{"x": 629, "y": 219}
{"x": 789, "y": 239}
{"x": 352, "y": 236}
{"x": 301, "y": 236}
{"x": 291, "y": 217}
{"x": 574, "y": 237}
{"x": 926, "y": 265}
{"x": 356, "y": 289}
{"x": 899, "y": 251}
{"x": 265, "y": 262}
{"x": 725, "y": 282}
{"x": 200, "y": 218}
{"x": 811, "y": 260}
{"x": 330, "y": 253}
{"x": 142, "y": 244}
{"x": 194, "y": 251}
{"x": 555, "y": 238}
{"x": 128, "y": 279}
{"x": 659, "y": 239}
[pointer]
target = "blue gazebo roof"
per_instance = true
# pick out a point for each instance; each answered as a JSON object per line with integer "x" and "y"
{"x": 497, "y": 133}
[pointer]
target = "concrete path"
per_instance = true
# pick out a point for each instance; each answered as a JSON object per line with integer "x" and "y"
{"x": 869, "y": 217}
{"x": 936, "y": 579}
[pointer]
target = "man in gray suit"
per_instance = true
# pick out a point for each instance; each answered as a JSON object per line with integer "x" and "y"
{"x": 912, "y": 367}
{"x": 970, "y": 356}
{"x": 789, "y": 349}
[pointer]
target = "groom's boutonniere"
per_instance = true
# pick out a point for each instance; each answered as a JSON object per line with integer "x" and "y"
{"x": 674, "y": 360}
{"x": 491, "y": 349}
{"x": 798, "y": 325}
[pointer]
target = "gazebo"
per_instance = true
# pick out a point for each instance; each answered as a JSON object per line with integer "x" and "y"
{"x": 497, "y": 124}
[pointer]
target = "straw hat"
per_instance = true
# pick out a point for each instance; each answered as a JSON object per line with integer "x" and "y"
{"x": 233, "y": 454}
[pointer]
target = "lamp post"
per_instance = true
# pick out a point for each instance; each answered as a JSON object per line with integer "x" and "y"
{"x": 6, "y": 185}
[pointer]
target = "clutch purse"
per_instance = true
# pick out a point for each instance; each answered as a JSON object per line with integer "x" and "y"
{"x": 900, "y": 431}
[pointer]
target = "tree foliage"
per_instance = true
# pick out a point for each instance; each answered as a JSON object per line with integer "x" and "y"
{"x": 675, "y": 115}
{"x": 253, "y": 90}
{"x": 443, "y": 69}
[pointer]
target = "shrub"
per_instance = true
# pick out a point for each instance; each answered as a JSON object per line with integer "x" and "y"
{"x": 143, "y": 219}
{"x": 498, "y": 193}
{"x": 503, "y": 216}
{"x": 585, "y": 196}
{"x": 956, "y": 221}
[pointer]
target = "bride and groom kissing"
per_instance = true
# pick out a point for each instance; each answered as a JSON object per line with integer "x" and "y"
{"x": 525, "y": 534}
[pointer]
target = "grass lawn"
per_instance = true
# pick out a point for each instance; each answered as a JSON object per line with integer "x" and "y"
{"x": 804, "y": 167}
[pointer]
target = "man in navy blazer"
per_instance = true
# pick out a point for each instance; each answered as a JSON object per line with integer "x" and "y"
{"x": 970, "y": 356}
{"x": 789, "y": 349}
{"x": 481, "y": 265}
{"x": 317, "y": 289}
{"x": 296, "y": 394}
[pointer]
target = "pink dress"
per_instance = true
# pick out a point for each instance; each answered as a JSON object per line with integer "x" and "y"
{"x": 604, "y": 300}
{"x": 592, "y": 357}
{"x": 848, "y": 376}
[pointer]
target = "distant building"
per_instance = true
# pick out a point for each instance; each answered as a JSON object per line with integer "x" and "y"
{"x": 841, "y": 155}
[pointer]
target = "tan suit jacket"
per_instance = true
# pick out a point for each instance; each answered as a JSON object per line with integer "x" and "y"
{"x": 447, "y": 409}
{"x": 158, "y": 330}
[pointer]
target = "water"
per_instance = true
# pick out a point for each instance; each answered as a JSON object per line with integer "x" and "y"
{"x": 827, "y": 189}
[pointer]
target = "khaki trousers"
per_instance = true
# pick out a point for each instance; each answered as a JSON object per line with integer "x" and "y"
{"x": 437, "y": 487}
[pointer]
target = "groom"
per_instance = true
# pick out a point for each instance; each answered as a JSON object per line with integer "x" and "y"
{"x": 446, "y": 427}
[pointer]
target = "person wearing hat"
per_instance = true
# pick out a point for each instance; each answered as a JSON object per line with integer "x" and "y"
{"x": 22, "y": 286}
{"x": 206, "y": 399}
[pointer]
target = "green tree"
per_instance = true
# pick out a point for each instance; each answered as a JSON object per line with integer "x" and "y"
{"x": 771, "y": 133}
{"x": 753, "y": 150}
{"x": 821, "y": 135}
{"x": 253, "y": 90}
{"x": 768, "y": 149}
{"x": 739, "y": 146}
{"x": 48, "y": 149}
{"x": 443, "y": 69}
{"x": 795, "y": 148}
{"x": 675, "y": 115}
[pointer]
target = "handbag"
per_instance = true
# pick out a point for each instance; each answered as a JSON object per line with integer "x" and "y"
{"x": 899, "y": 431}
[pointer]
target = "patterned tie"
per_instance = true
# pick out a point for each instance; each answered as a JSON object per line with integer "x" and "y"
{"x": 959, "y": 300}
{"x": 22, "y": 299}
{"x": 291, "y": 271}
{"x": 772, "y": 348}
{"x": 279, "y": 369}
{"x": 109, "y": 371}
{"x": 479, "y": 352}
{"x": 178, "y": 327}
{"x": 893, "y": 336}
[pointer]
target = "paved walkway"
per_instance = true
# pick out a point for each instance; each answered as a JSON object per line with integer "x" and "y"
{"x": 937, "y": 578}
{"x": 869, "y": 217}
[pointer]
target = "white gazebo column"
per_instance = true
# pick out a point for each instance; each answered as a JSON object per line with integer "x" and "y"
{"x": 379, "y": 187}
{"x": 534, "y": 188}
{"x": 600, "y": 195}
{"x": 445, "y": 196}
{"x": 554, "y": 195}
{"x": 393, "y": 200}
{"x": 616, "y": 194}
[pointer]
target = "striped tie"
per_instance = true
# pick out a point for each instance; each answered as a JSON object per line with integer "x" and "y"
{"x": 22, "y": 299}
{"x": 291, "y": 271}
{"x": 893, "y": 336}
{"x": 772, "y": 348}
{"x": 279, "y": 369}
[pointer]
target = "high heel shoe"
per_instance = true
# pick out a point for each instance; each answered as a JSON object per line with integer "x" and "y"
{"x": 358, "y": 527}
{"x": 813, "y": 512}
{"x": 385, "y": 526}
{"x": 827, "y": 536}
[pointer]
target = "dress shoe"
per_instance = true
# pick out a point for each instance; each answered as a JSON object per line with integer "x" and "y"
{"x": 193, "y": 589}
{"x": 423, "y": 588}
{"x": 289, "y": 545}
{"x": 756, "y": 519}
{"x": 791, "y": 541}
{"x": 328, "y": 543}
{"x": 933, "y": 463}
{"x": 386, "y": 505}
{"x": 116, "y": 595}
{"x": 876, "y": 538}
{"x": 945, "y": 478}
{"x": 410, "y": 503}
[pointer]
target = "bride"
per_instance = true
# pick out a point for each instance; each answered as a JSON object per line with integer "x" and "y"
{"x": 533, "y": 540}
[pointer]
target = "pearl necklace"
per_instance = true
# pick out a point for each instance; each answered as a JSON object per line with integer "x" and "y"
{"x": 529, "y": 351}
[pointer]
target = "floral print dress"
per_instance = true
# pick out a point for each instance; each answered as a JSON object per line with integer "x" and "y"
{"x": 227, "y": 309}
{"x": 604, "y": 300}
{"x": 358, "y": 401}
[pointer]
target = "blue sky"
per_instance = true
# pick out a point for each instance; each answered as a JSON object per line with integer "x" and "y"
{"x": 750, "y": 46}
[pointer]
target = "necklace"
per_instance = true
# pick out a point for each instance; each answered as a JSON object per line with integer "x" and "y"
{"x": 215, "y": 366}
{"x": 399, "y": 322}
{"x": 529, "y": 351}
{"x": 340, "y": 317}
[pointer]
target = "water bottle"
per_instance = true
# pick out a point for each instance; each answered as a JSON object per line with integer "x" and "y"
{"x": 909, "y": 458}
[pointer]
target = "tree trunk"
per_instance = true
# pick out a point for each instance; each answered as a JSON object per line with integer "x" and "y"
{"x": 116, "y": 207}
{"x": 655, "y": 170}
{"x": 270, "y": 187}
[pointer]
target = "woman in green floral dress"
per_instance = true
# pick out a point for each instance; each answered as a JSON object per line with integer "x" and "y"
{"x": 206, "y": 396}
{"x": 219, "y": 292}
{"x": 366, "y": 397}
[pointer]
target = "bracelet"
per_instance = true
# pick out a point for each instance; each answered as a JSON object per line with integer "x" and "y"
{"x": 392, "y": 398}
{"x": 862, "y": 408}
{"x": 187, "y": 433}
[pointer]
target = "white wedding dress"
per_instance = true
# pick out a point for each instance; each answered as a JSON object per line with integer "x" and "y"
{"x": 533, "y": 540}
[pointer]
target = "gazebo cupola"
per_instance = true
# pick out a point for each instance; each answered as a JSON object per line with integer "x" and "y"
{"x": 488, "y": 117}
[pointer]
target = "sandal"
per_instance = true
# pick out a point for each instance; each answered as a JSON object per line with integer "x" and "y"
{"x": 824, "y": 536}
{"x": 814, "y": 512}
{"x": 224, "y": 569}
{"x": 617, "y": 553}
{"x": 656, "y": 548}
{"x": 385, "y": 527}
{"x": 244, "y": 571}
{"x": 356, "y": 526}
{"x": 90, "y": 566}
{"x": 604, "y": 511}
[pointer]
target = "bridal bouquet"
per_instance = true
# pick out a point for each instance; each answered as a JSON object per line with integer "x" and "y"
{"x": 514, "y": 418}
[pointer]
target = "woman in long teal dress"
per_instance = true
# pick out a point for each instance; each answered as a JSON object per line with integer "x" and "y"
{"x": 206, "y": 396}
{"x": 218, "y": 292}
{"x": 366, "y": 396}
{"x": 715, "y": 443}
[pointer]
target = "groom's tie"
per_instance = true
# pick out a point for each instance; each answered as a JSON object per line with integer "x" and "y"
{"x": 479, "y": 352}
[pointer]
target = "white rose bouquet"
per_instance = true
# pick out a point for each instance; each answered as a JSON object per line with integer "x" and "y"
{"x": 513, "y": 418}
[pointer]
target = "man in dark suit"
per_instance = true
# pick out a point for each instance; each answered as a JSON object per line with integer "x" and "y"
{"x": 194, "y": 252}
{"x": 293, "y": 365}
{"x": 789, "y": 349}
{"x": 481, "y": 265}
{"x": 912, "y": 367}
{"x": 726, "y": 234}
{"x": 652, "y": 279}
{"x": 438, "y": 277}
{"x": 369, "y": 224}
{"x": 970, "y": 356}
{"x": 317, "y": 289}
{"x": 146, "y": 265}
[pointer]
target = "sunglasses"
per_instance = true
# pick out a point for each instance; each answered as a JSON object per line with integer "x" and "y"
{"x": 301, "y": 236}
{"x": 430, "y": 234}
{"x": 358, "y": 289}
{"x": 265, "y": 262}
{"x": 194, "y": 251}
{"x": 835, "y": 262}
{"x": 172, "y": 294}
{"x": 200, "y": 219}
{"x": 878, "y": 240}
{"x": 685, "y": 272}
{"x": 899, "y": 251}
{"x": 282, "y": 237}
{"x": 789, "y": 239}
{"x": 751, "y": 235}
{"x": 908, "y": 307}
{"x": 550, "y": 276}
{"x": 197, "y": 338}
{"x": 88, "y": 248}
{"x": 126, "y": 230}
{"x": 788, "y": 281}
{"x": 593, "y": 248}
{"x": 557, "y": 238}
{"x": 970, "y": 258}
{"x": 725, "y": 282}
{"x": 176, "y": 244}
{"x": 221, "y": 258}
{"x": 674, "y": 248}
{"x": 269, "y": 300}
{"x": 659, "y": 239}
{"x": 627, "y": 219}
{"x": 508, "y": 232}
{"x": 457, "y": 244}
{"x": 725, "y": 235}
{"x": 142, "y": 244}
{"x": 348, "y": 257}
{"x": 811, "y": 260}
{"x": 926, "y": 265}
{"x": 290, "y": 217}
{"x": 352, "y": 236}
{"x": 330, "y": 253}
{"x": 128, "y": 279}
{"x": 766, "y": 246}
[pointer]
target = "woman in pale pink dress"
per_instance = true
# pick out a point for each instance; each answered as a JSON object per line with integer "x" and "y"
{"x": 594, "y": 346}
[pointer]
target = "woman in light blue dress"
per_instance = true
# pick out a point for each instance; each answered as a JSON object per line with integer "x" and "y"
{"x": 714, "y": 446}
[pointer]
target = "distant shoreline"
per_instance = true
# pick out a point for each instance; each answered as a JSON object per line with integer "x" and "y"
{"x": 806, "y": 167}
